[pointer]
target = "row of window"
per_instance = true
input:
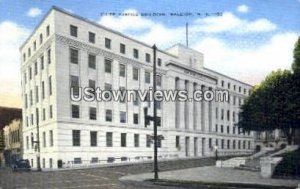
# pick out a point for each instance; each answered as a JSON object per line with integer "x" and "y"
{"x": 235, "y": 116}
{"x": 35, "y": 66}
{"x": 239, "y": 144}
{"x": 235, "y": 88}
{"x": 36, "y": 116}
{"x": 74, "y": 58}
{"x": 43, "y": 142}
{"x": 35, "y": 43}
{"x": 108, "y": 45}
{"x": 75, "y": 109}
{"x": 76, "y": 139}
{"x": 235, "y": 130}
{"x": 37, "y": 98}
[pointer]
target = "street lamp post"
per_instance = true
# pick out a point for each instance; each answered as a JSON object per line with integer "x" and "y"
{"x": 38, "y": 141}
{"x": 154, "y": 115}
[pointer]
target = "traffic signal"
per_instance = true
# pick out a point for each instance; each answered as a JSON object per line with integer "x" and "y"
{"x": 146, "y": 117}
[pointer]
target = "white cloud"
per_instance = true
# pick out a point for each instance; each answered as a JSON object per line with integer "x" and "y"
{"x": 250, "y": 65}
{"x": 11, "y": 37}
{"x": 34, "y": 12}
{"x": 243, "y": 8}
{"x": 147, "y": 30}
{"x": 232, "y": 24}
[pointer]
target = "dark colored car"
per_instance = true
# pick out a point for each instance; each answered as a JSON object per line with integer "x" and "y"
{"x": 21, "y": 165}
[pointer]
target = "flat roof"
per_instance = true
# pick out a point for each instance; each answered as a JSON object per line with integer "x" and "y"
{"x": 228, "y": 77}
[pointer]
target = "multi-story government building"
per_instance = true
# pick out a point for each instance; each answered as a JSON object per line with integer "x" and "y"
{"x": 67, "y": 50}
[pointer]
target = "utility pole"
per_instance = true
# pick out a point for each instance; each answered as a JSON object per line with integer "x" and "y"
{"x": 38, "y": 141}
{"x": 154, "y": 115}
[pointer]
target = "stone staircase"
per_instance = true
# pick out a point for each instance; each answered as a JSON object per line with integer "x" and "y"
{"x": 253, "y": 163}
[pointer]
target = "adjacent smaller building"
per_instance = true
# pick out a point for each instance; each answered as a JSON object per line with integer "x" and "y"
{"x": 13, "y": 141}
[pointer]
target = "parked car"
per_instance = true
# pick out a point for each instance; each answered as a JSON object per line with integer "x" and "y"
{"x": 21, "y": 165}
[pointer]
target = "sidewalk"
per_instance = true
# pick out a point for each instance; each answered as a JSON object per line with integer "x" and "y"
{"x": 212, "y": 174}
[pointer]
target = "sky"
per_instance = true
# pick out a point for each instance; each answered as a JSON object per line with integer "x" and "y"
{"x": 249, "y": 40}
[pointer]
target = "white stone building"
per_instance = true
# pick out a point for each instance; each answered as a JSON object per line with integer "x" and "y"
{"x": 67, "y": 50}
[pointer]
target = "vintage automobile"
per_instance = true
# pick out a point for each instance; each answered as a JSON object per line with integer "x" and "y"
{"x": 21, "y": 165}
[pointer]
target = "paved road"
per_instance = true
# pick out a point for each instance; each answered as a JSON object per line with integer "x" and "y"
{"x": 91, "y": 178}
{"x": 103, "y": 178}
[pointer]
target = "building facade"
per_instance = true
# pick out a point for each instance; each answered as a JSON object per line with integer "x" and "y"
{"x": 13, "y": 141}
{"x": 67, "y": 51}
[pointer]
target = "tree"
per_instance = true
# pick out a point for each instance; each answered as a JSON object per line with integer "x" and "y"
{"x": 271, "y": 105}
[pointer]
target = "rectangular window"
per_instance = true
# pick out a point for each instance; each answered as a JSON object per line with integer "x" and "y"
{"x": 210, "y": 143}
{"x": 216, "y": 128}
{"x": 136, "y": 140}
{"x": 148, "y": 141}
{"x": 135, "y": 53}
{"x": 122, "y": 70}
{"x": 27, "y": 142}
{"x": 74, "y": 56}
{"x": 50, "y": 163}
{"x": 222, "y": 128}
{"x": 36, "y": 94}
{"x": 35, "y": 68}
{"x": 148, "y": 57}
{"x": 228, "y": 129}
{"x": 77, "y": 161}
{"x": 107, "y": 65}
{"x": 147, "y": 77}
{"x": 34, "y": 45}
{"x": 51, "y": 137}
{"x": 158, "y": 121}
{"x": 26, "y": 101}
{"x": 50, "y": 85}
{"x": 159, "y": 143}
{"x": 48, "y": 30}
{"x": 49, "y": 56}
{"x": 42, "y": 62}
{"x": 30, "y": 73}
{"x": 92, "y": 84}
{"x": 159, "y": 62}
{"x": 29, "y": 52}
{"x": 92, "y": 61}
{"x": 73, "y": 31}
{"x": 158, "y": 80}
{"x": 107, "y": 43}
{"x": 75, "y": 111}
{"x": 75, "y": 85}
{"x": 122, "y": 48}
{"x": 76, "y": 137}
{"x": 93, "y": 113}
{"x": 136, "y": 119}
{"x": 31, "y": 99}
{"x": 92, "y": 37}
{"x": 177, "y": 141}
{"x": 108, "y": 115}
{"x": 51, "y": 112}
{"x": 43, "y": 89}
{"x": 44, "y": 139}
{"x": 109, "y": 139}
{"x": 122, "y": 117}
{"x": 41, "y": 38}
{"x": 135, "y": 74}
{"x": 94, "y": 160}
{"x": 136, "y": 99}
{"x": 123, "y": 139}
{"x": 93, "y": 136}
